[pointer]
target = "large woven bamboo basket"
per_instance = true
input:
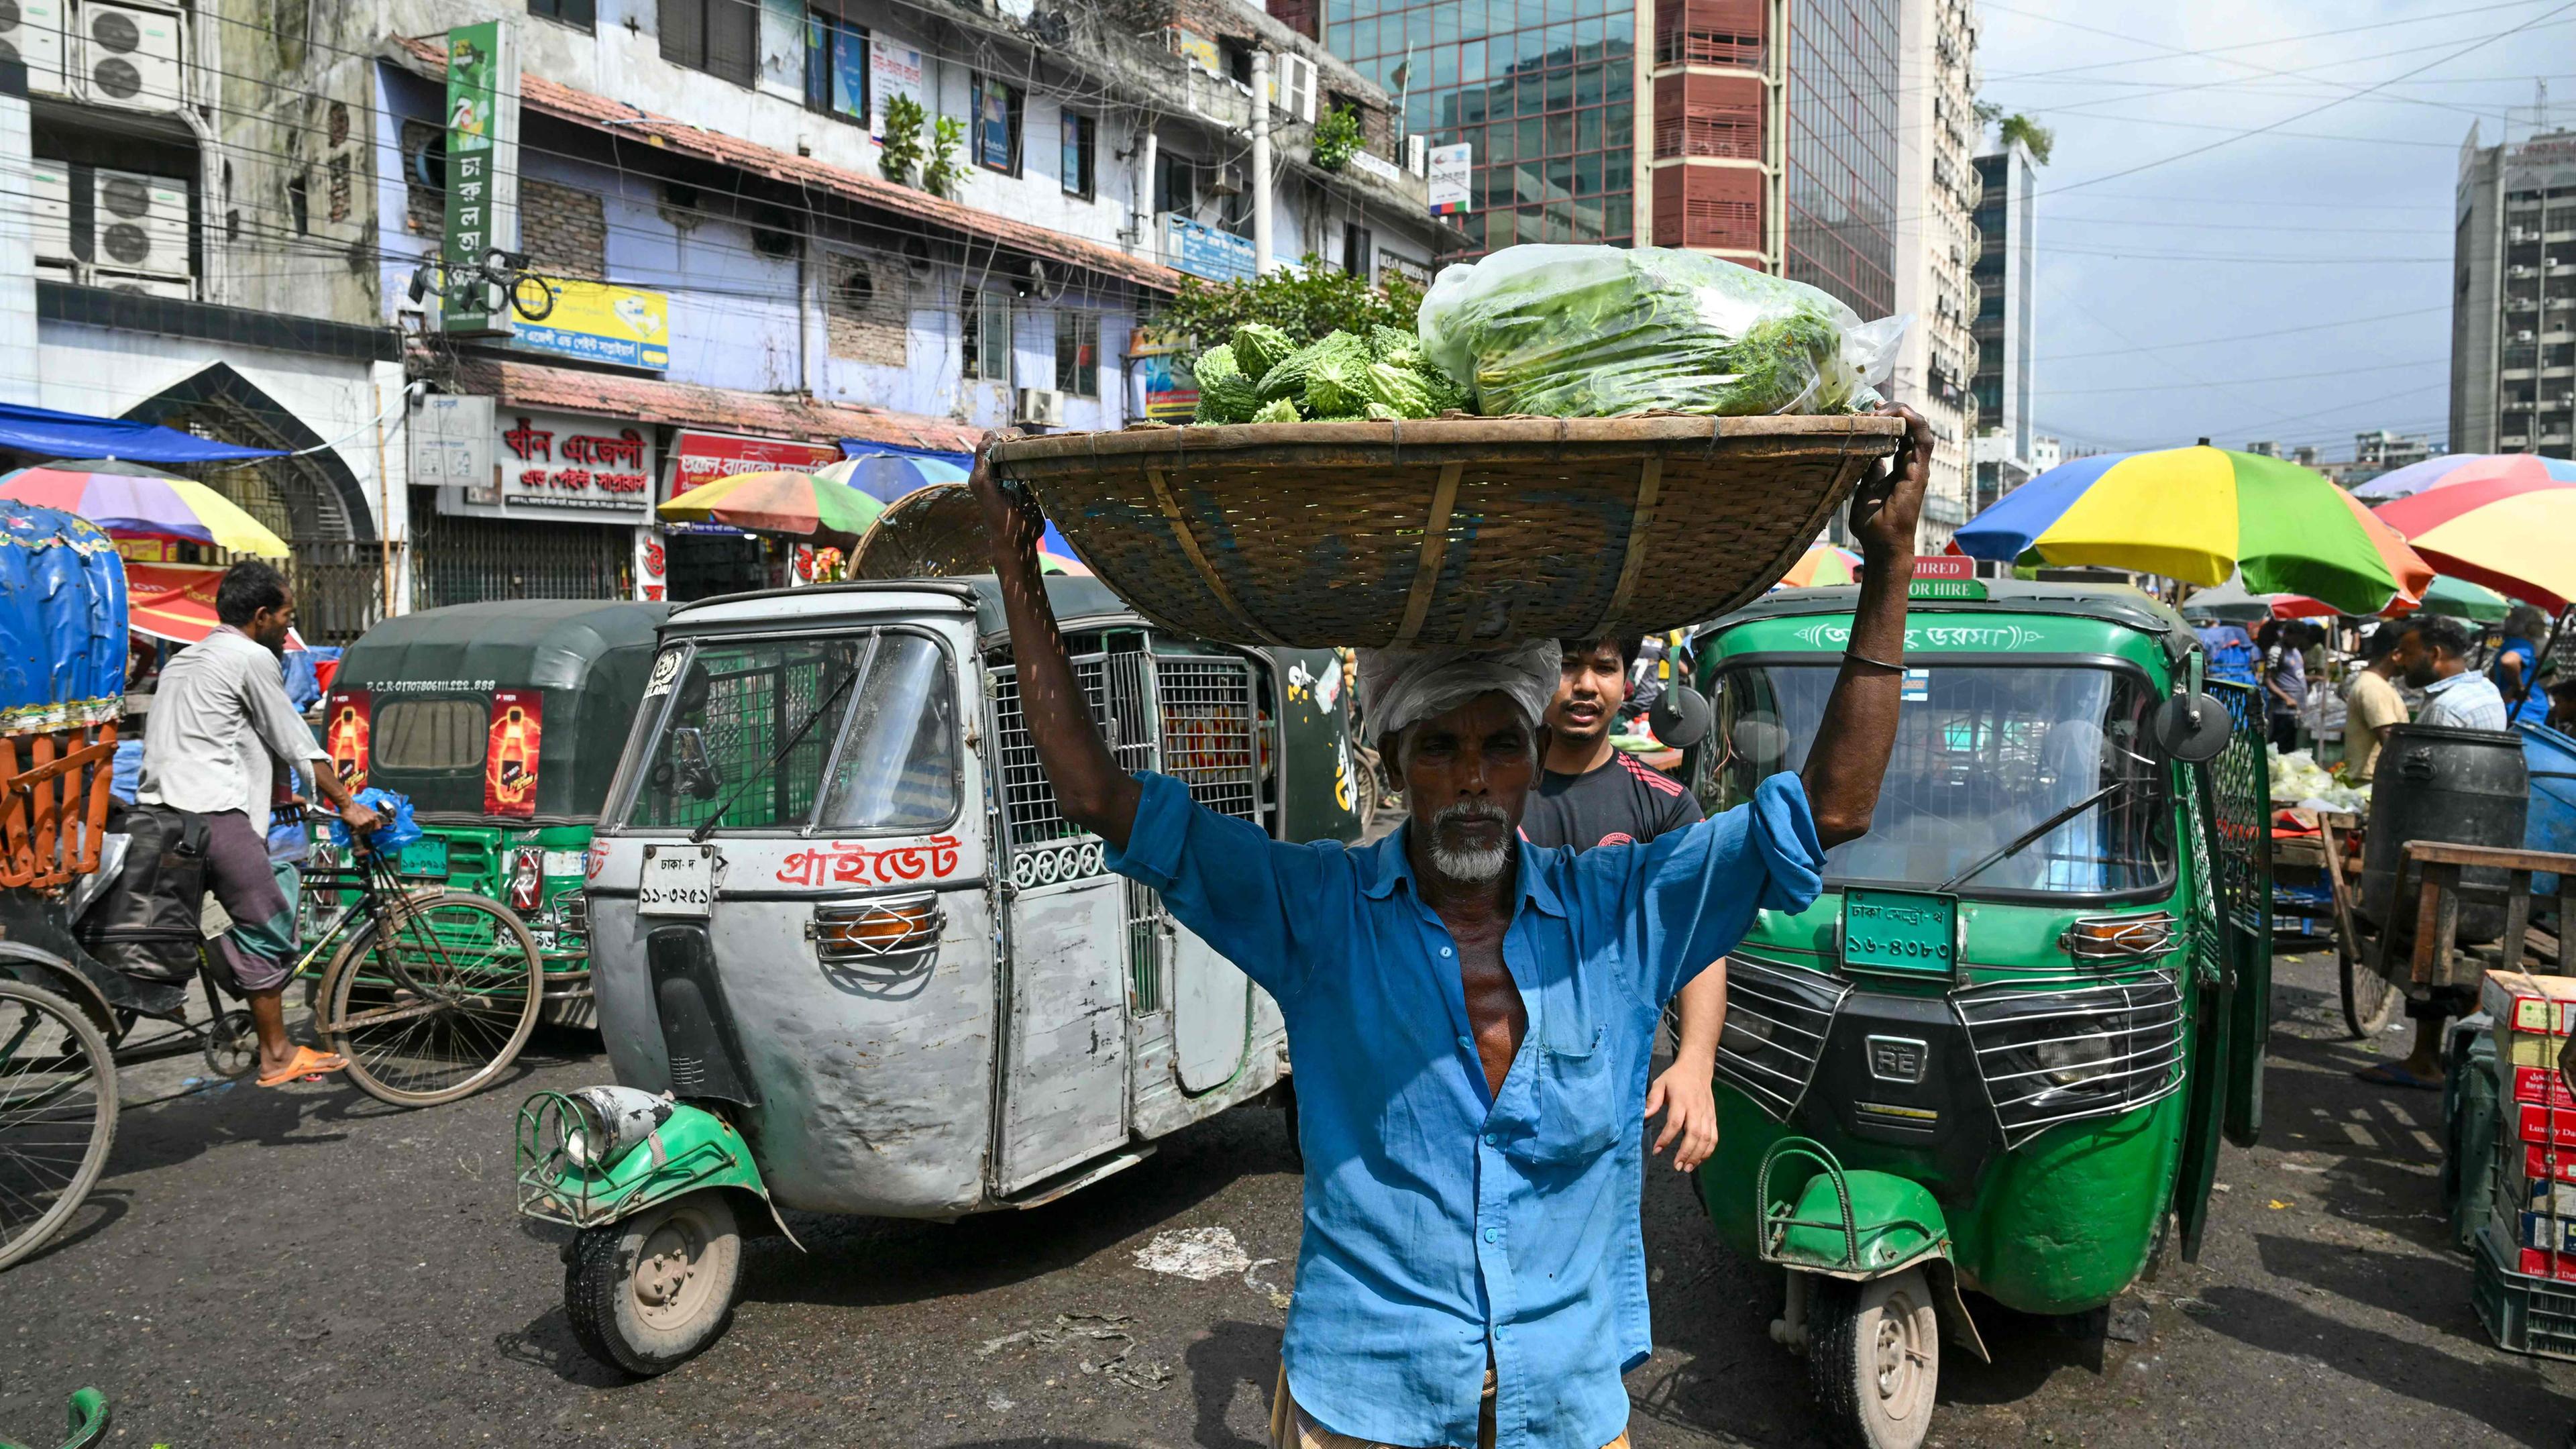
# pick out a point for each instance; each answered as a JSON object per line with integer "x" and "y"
{"x": 930, "y": 533}
{"x": 1450, "y": 531}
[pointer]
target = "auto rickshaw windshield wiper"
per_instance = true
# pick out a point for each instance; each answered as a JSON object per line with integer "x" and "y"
{"x": 2022, "y": 841}
{"x": 708, "y": 827}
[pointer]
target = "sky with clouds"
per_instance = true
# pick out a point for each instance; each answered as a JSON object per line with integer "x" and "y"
{"x": 2228, "y": 168}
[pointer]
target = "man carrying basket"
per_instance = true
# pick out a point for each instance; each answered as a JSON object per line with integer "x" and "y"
{"x": 1472, "y": 1016}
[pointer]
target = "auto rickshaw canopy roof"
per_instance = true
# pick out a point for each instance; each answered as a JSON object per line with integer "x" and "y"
{"x": 588, "y": 657}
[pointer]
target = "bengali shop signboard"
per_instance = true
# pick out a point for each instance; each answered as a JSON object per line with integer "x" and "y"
{"x": 698, "y": 459}
{"x": 566, "y": 466}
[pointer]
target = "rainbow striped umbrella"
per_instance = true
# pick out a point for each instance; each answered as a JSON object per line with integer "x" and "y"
{"x": 132, "y": 501}
{"x": 777, "y": 501}
{"x": 2198, "y": 515}
{"x": 2511, "y": 534}
{"x": 2456, "y": 468}
{"x": 1821, "y": 565}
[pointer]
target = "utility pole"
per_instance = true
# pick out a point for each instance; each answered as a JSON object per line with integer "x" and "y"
{"x": 1260, "y": 162}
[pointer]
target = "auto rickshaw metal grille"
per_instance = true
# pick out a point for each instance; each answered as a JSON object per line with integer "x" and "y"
{"x": 1211, "y": 733}
{"x": 2240, "y": 787}
{"x": 2084, "y": 1051}
{"x": 1777, "y": 1019}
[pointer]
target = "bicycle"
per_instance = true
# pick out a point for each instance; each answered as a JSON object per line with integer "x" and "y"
{"x": 431, "y": 991}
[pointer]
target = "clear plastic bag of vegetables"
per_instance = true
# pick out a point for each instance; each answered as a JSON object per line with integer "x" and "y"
{"x": 1597, "y": 331}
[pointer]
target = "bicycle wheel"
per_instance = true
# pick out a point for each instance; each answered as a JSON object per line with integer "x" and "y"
{"x": 435, "y": 1002}
{"x": 57, "y": 1114}
{"x": 2369, "y": 1001}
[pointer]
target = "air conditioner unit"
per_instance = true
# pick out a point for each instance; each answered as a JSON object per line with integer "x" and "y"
{"x": 1292, "y": 86}
{"x": 53, "y": 193}
{"x": 130, "y": 57}
{"x": 1038, "y": 407}
{"x": 177, "y": 288}
{"x": 32, "y": 31}
{"x": 1227, "y": 180}
{"x": 2525, "y": 335}
{"x": 1417, "y": 155}
{"x": 63, "y": 272}
{"x": 141, "y": 223}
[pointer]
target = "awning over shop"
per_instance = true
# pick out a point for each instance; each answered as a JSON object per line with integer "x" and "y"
{"x": 176, "y": 602}
{"x": 766, "y": 414}
{"x": 50, "y": 434}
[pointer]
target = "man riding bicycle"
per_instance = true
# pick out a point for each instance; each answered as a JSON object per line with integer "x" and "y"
{"x": 220, "y": 723}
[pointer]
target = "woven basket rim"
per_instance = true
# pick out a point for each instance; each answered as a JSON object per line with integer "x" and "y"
{"x": 1492, "y": 437}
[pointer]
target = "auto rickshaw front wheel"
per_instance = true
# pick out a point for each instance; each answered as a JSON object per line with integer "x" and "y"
{"x": 1874, "y": 1351}
{"x": 647, "y": 1293}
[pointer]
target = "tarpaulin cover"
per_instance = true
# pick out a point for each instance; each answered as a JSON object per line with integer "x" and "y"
{"x": 50, "y": 434}
{"x": 62, "y": 622}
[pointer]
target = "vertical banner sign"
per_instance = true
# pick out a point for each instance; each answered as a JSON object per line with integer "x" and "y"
{"x": 652, "y": 583}
{"x": 482, "y": 168}
{"x": 344, "y": 736}
{"x": 510, "y": 756}
{"x": 1452, "y": 168}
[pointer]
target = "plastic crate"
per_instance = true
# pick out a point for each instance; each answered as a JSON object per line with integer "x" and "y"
{"x": 2525, "y": 1315}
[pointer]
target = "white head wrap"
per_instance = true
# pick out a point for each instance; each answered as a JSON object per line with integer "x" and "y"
{"x": 1401, "y": 687}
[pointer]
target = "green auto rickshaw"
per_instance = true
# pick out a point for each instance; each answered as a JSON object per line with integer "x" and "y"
{"x": 1999, "y": 1052}
{"x": 502, "y": 722}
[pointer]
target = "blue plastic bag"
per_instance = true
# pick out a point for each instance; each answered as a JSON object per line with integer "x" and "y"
{"x": 398, "y": 830}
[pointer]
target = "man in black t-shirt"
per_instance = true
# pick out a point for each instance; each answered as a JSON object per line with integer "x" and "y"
{"x": 1593, "y": 794}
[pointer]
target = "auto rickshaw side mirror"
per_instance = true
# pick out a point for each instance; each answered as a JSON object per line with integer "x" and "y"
{"x": 2193, "y": 727}
{"x": 697, "y": 770}
{"x": 1681, "y": 716}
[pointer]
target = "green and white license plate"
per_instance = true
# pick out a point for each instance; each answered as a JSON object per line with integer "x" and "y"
{"x": 426, "y": 856}
{"x": 1900, "y": 933}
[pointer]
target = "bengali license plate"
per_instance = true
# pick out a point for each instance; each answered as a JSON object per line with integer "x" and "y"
{"x": 426, "y": 856}
{"x": 678, "y": 880}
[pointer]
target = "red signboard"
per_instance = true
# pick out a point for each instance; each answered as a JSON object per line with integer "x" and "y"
{"x": 510, "y": 755}
{"x": 1944, "y": 566}
{"x": 698, "y": 459}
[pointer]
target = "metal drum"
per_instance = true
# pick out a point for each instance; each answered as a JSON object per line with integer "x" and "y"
{"x": 2464, "y": 787}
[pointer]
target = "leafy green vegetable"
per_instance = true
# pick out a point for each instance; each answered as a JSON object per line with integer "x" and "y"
{"x": 1394, "y": 344}
{"x": 1288, "y": 378}
{"x": 1566, "y": 331}
{"x": 1400, "y": 389}
{"x": 1380, "y": 412}
{"x": 1337, "y": 380}
{"x": 1217, "y": 363}
{"x": 1278, "y": 410}
{"x": 1261, "y": 347}
{"x": 1225, "y": 394}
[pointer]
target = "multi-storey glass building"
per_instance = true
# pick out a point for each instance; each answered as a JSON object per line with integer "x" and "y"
{"x": 1761, "y": 130}
{"x": 1545, "y": 90}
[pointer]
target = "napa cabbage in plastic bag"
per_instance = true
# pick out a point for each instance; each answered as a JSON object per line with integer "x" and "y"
{"x": 1598, "y": 331}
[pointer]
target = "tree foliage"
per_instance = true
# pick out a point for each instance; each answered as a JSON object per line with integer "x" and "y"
{"x": 1306, "y": 302}
{"x": 2040, "y": 139}
{"x": 902, "y": 153}
{"x": 1337, "y": 139}
{"x": 945, "y": 174}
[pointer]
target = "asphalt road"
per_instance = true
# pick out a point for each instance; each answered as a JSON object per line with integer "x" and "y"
{"x": 307, "y": 1267}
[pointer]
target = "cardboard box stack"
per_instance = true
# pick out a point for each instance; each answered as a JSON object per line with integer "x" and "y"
{"x": 2529, "y": 1245}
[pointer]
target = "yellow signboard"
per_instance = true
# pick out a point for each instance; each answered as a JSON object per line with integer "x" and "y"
{"x": 602, "y": 322}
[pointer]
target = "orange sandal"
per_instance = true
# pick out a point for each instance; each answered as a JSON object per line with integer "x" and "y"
{"x": 309, "y": 1065}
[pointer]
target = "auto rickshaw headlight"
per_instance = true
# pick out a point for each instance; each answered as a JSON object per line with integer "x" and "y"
{"x": 607, "y": 1123}
{"x": 881, "y": 930}
{"x": 2073, "y": 1061}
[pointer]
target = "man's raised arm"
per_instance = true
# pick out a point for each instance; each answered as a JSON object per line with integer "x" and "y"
{"x": 1848, "y": 760}
{"x": 1089, "y": 787}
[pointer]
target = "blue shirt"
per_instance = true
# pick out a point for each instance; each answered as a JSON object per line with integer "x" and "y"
{"x": 1442, "y": 1220}
{"x": 2464, "y": 701}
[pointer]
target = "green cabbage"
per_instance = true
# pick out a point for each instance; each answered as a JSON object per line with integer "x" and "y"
{"x": 1217, "y": 362}
{"x": 1337, "y": 379}
{"x": 1400, "y": 389}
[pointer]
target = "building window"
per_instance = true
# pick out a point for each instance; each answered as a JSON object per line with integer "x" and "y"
{"x": 866, "y": 317}
{"x": 1176, "y": 184}
{"x": 1357, "y": 246}
{"x": 1077, "y": 353}
{"x": 996, "y": 127}
{"x": 720, "y": 37}
{"x": 836, "y": 65}
{"x": 1080, "y": 137}
{"x": 985, "y": 317}
{"x": 571, "y": 12}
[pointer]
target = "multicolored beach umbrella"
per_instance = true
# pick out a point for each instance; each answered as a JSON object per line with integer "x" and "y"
{"x": 2516, "y": 535}
{"x": 777, "y": 501}
{"x": 2199, "y": 514}
{"x": 2457, "y": 468}
{"x": 133, "y": 501}
{"x": 1823, "y": 564}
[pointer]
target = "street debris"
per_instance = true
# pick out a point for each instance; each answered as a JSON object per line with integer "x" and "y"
{"x": 1073, "y": 1330}
{"x": 1198, "y": 1254}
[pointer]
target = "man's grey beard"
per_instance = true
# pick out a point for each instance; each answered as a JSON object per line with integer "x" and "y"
{"x": 1470, "y": 867}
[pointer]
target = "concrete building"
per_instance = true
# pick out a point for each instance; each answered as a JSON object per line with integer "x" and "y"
{"x": 724, "y": 271}
{"x": 2006, "y": 277}
{"x": 2513, "y": 299}
{"x": 1936, "y": 243}
{"x": 2385, "y": 452}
